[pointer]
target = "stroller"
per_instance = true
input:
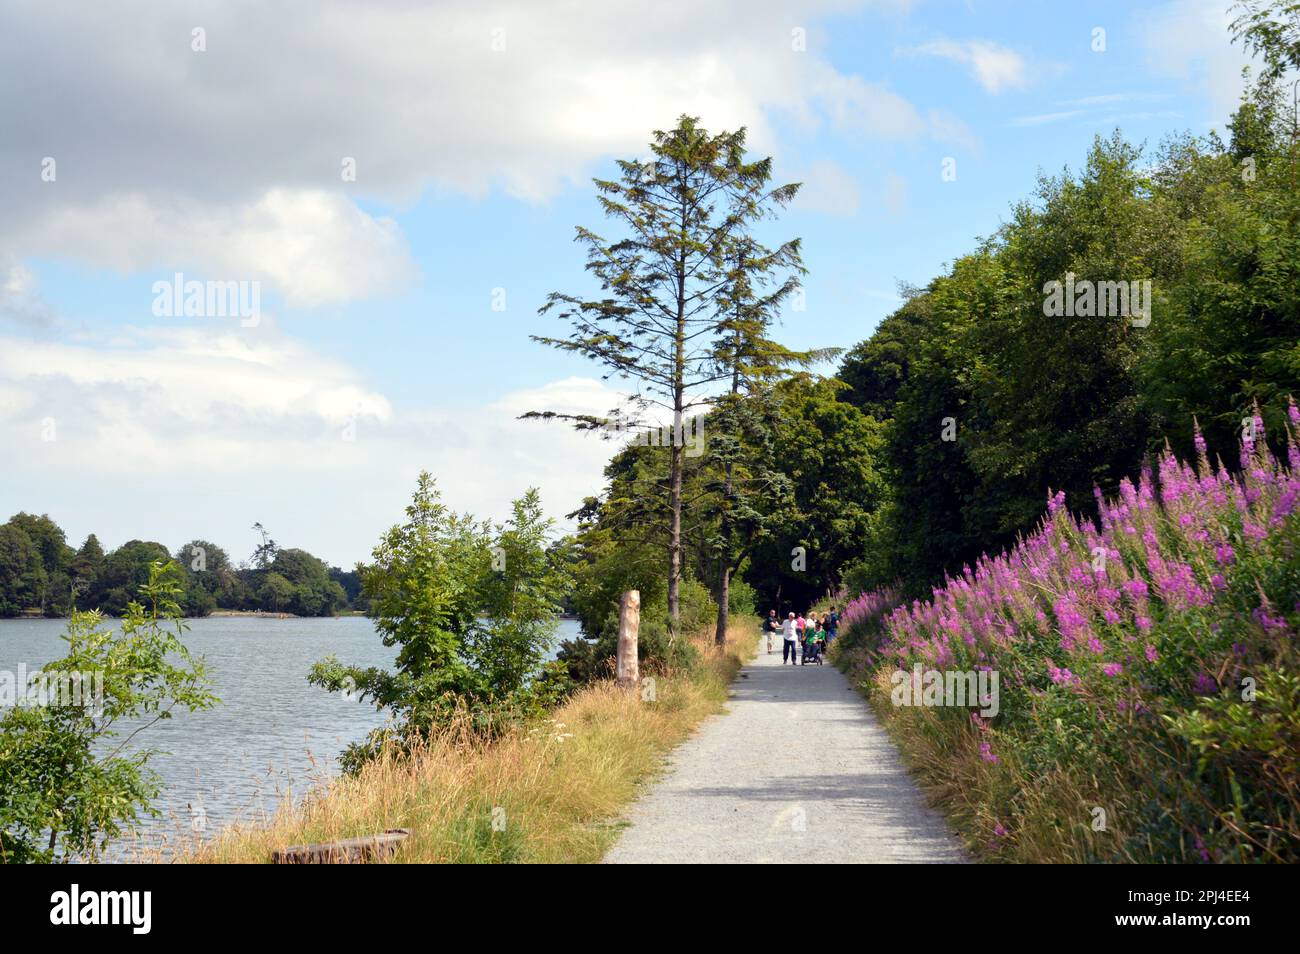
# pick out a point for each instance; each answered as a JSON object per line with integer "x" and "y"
{"x": 812, "y": 650}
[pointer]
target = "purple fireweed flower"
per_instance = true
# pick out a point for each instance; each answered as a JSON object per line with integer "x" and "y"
{"x": 1112, "y": 669}
{"x": 1205, "y": 684}
{"x": 1273, "y": 625}
{"x": 1293, "y": 412}
{"x": 986, "y": 753}
{"x": 1136, "y": 588}
{"x": 1285, "y": 504}
{"x": 1151, "y": 653}
{"x": 1225, "y": 554}
{"x": 1055, "y": 501}
{"x": 1062, "y": 677}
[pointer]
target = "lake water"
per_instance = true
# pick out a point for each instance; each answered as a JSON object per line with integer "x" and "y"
{"x": 271, "y": 733}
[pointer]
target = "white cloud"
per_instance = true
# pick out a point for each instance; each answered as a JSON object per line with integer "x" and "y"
{"x": 229, "y": 160}
{"x": 182, "y": 395}
{"x": 995, "y": 67}
{"x": 1041, "y": 118}
{"x": 313, "y": 246}
{"x": 1190, "y": 40}
{"x": 828, "y": 188}
{"x": 207, "y": 429}
{"x": 20, "y": 302}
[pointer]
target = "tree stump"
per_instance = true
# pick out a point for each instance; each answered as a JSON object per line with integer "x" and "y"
{"x": 349, "y": 851}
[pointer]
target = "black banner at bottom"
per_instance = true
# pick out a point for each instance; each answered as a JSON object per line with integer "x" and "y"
{"x": 142, "y": 904}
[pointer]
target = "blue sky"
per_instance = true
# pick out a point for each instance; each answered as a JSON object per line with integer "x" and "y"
{"x": 475, "y": 129}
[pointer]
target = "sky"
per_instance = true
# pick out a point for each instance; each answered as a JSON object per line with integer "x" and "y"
{"x": 398, "y": 184}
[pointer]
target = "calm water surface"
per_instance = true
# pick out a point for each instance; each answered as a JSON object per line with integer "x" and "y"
{"x": 270, "y": 735}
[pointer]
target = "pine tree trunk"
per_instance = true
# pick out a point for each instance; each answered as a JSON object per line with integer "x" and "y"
{"x": 724, "y": 602}
{"x": 676, "y": 460}
{"x": 675, "y": 539}
{"x": 724, "y": 564}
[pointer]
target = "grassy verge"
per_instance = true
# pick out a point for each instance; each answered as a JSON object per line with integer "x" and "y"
{"x": 1053, "y": 814}
{"x": 555, "y": 789}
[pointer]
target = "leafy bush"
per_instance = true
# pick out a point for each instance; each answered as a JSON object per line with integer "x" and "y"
{"x": 473, "y": 610}
{"x": 65, "y": 793}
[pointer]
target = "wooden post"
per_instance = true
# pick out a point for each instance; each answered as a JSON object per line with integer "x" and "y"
{"x": 629, "y": 625}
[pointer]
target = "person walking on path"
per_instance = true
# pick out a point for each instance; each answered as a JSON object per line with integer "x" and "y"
{"x": 790, "y": 648}
{"x": 770, "y": 626}
{"x": 832, "y": 626}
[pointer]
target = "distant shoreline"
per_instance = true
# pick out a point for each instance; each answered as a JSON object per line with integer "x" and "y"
{"x": 264, "y": 614}
{"x": 252, "y": 614}
{"x": 232, "y": 613}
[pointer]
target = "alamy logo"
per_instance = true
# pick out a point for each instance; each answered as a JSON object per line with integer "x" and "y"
{"x": 687, "y": 433}
{"x": 1089, "y": 299}
{"x": 178, "y": 298}
{"x": 103, "y": 907}
{"x": 950, "y": 687}
{"x": 22, "y": 689}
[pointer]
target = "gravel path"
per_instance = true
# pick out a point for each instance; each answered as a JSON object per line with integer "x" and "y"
{"x": 797, "y": 770}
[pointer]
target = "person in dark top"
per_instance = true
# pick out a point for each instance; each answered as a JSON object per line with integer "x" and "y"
{"x": 771, "y": 626}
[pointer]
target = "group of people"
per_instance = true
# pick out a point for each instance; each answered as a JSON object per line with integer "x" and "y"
{"x": 804, "y": 638}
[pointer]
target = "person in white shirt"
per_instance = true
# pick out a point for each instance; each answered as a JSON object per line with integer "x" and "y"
{"x": 790, "y": 635}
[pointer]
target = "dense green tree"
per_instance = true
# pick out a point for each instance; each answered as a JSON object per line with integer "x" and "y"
{"x": 1230, "y": 337}
{"x": 49, "y": 586}
{"x": 620, "y": 545}
{"x": 21, "y": 570}
{"x": 314, "y": 593}
{"x": 275, "y": 594}
{"x": 876, "y": 368}
{"x": 350, "y": 582}
{"x": 126, "y": 569}
{"x": 829, "y": 451}
{"x": 86, "y": 567}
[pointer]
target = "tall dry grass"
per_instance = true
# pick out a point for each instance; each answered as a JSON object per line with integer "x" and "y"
{"x": 555, "y": 789}
{"x": 1056, "y": 820}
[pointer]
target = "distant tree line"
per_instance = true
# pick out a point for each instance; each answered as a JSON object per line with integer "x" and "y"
{"x": 41, "y": 574}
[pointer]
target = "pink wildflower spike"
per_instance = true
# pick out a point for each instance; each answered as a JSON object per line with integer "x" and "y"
{"x": 1199, "y": 440}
